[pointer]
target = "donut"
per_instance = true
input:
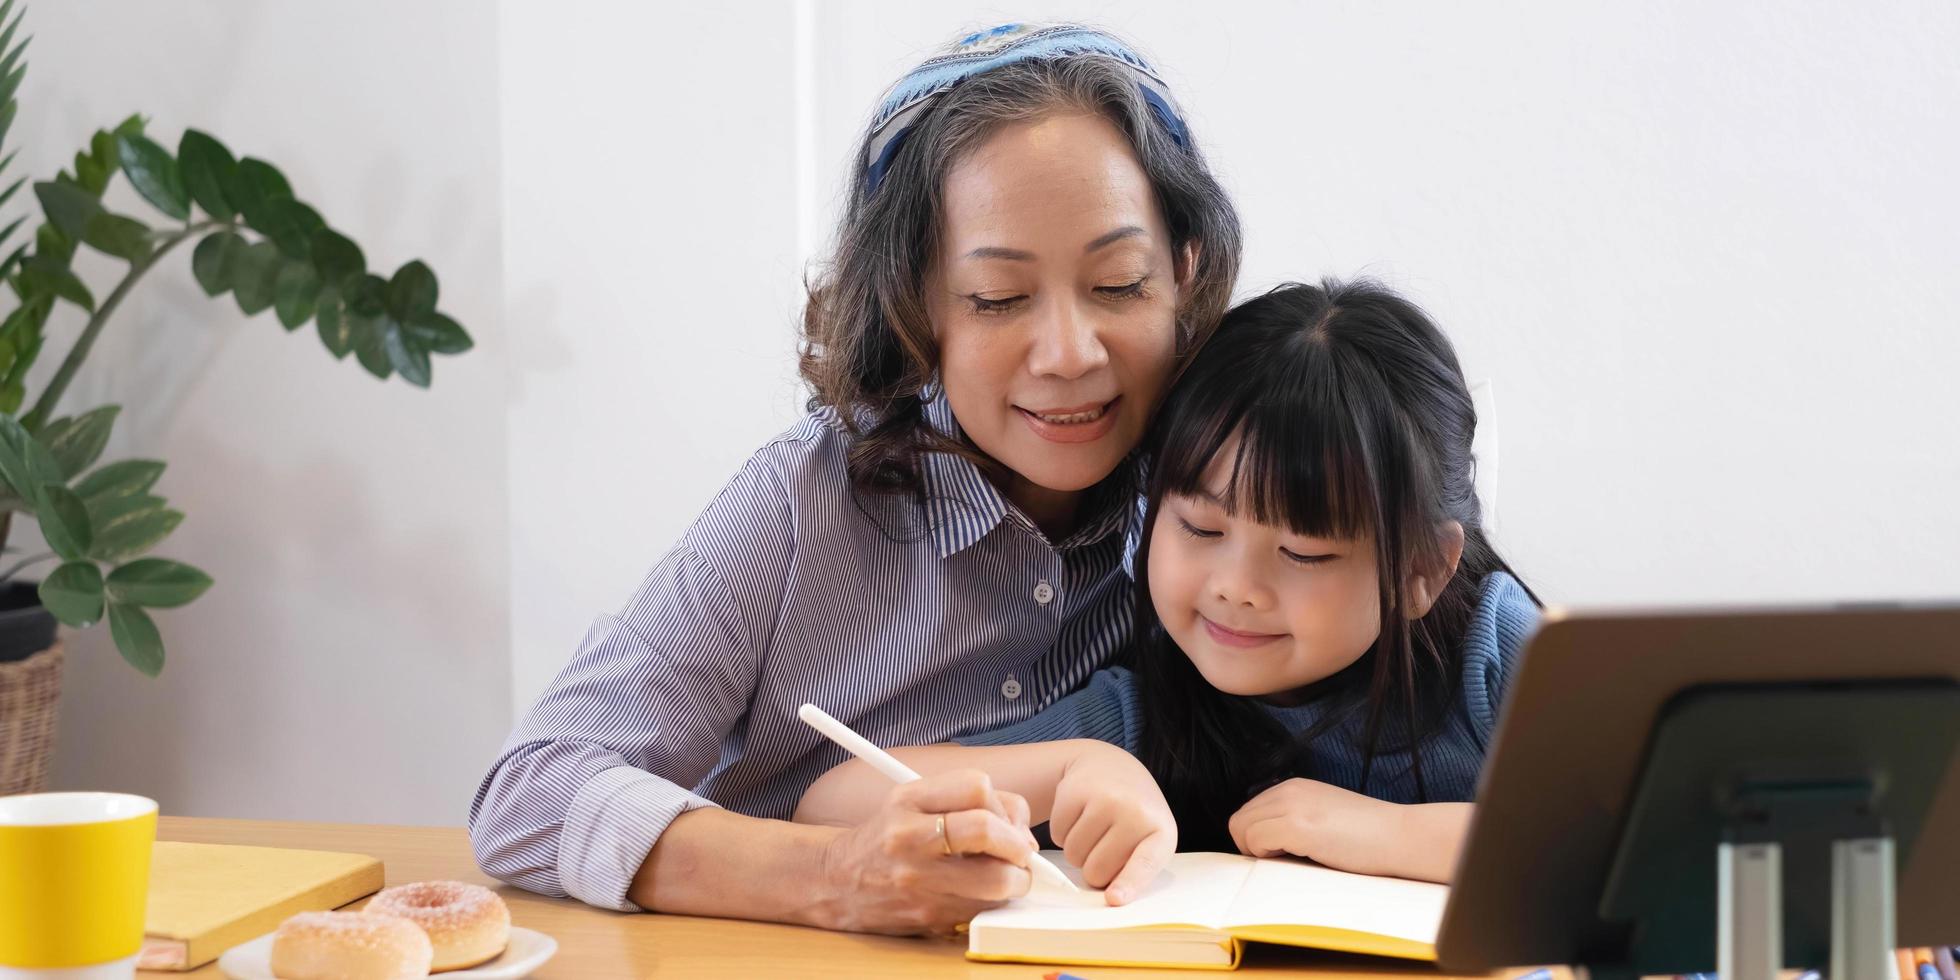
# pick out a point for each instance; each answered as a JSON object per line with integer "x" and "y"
{"x": 349, "y": 946}
{"x": 467, "y": 924}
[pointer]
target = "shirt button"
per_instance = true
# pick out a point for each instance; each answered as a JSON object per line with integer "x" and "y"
{"x": 1044, "y": 593}
{"x": 1010, "y": 688}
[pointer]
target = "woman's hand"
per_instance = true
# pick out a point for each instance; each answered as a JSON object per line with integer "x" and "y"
{"x": 1352, "y": 832}
{"x": 937, "y": 852}
{"x": 1112, "y": 822}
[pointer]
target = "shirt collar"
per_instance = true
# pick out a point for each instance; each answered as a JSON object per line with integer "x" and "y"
{"x": 963, "y": 506}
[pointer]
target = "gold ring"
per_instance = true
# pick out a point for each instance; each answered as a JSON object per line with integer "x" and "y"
{"x": 945, "y": 842}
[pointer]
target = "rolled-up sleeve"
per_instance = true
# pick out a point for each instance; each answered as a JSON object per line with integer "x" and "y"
{"x": 603, "y": 762}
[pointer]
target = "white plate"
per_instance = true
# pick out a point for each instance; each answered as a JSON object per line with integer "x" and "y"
{"x": 528, "y": 950}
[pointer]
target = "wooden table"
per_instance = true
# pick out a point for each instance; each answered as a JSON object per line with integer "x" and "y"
{"x": 594, "y": 944}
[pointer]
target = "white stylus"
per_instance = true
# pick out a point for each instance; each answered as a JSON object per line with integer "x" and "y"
{"x": 899, "y": 772}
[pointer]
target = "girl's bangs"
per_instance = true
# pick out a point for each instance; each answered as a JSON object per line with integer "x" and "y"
{"x": 1302, "y": 461}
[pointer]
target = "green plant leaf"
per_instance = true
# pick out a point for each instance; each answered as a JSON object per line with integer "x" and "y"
{"x": 102, "y": 149}
{"x": 70, "y": 287}
{"x": 9, "y": 66}
{"x": 291, "y": 225}
{"x": 136, "y": 637}
{"x": 124, "y": 238}
{"x": 369, "y": 347}
{"x": 7, "y": 38}
{"x": 109, "y": 511}
{"x": 43, "y": 275}
{"x": 123, "y": 478}
{"x": 25, "y": 360}
{"x": 7, "y": 267}
{"x": 51, "y": 245}
{"x": 410, "y": 359}
{"x": 67, "y": 206}
{"x": 336, "y": 257}
{"x": 13, "y": 259}
{"x": 336, "y": 331}
{"x": 131, "y": 126}
{"x": 255, "y": 186}
{"x": 295, "y": 294}
{"x": 131, "y": 534}
{"x": 212, "y": 260}
{"x": 25, "y": 464}
{"x": 254, "y": 270}
{"x": 411, "y": 293}
{"x": 10, "y": 75}
{"x": 439, "y": 334}
{"x": 157, "y": 582}
{"x": 76, "y": 443}
{"x": 208, "y": 169}
{"x": 91, "y": 175}
{"x": 154, "y": 173}
{"x": 73, "y": 593}
{"x": 64, "y": 522}
{"x": 11, "y": 395}
{"x": 364, "y": 296}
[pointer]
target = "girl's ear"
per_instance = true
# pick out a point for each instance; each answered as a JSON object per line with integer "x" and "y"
{"x": 1425, "y": 584}
{"x": 1186, "y": 261}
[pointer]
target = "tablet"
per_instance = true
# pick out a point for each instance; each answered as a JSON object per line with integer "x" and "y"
{"x": 1578, "y": 723}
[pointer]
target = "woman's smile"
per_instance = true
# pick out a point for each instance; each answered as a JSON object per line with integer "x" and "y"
{"x": 1076, "y": 423}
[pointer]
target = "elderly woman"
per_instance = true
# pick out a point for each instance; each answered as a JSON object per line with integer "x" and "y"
{"x": 1033, "y": 244}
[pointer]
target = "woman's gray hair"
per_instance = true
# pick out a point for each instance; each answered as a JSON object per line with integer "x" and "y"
{"x": 868, "y": 348}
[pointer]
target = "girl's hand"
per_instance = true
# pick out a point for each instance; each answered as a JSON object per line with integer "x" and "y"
{"x": 1322, "y": 823}
{"x": 1111, "y": 821}
{"x": 904, "y": 871}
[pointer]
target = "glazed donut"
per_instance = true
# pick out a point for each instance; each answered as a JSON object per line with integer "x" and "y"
{"x": 467, "y": 924}
{"x": 349, "y": 946}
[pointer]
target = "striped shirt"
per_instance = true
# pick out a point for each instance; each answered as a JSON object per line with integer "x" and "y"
{"x": 911, "y": 624}
{"x": 1505, "y": 617}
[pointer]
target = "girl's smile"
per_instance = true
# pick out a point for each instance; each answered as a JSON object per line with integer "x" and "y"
{"x": 1244, "y": 639}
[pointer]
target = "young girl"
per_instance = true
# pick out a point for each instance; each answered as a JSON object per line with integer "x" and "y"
{"x": 1323, "y": 631}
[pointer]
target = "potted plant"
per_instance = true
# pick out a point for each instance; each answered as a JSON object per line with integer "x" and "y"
{"x": 253, "y": 239}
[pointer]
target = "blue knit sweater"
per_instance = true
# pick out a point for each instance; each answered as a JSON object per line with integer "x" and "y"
{"x": 1106, "y": 709}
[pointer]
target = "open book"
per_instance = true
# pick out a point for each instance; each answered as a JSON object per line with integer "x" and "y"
{"x": 1202, "y": 910}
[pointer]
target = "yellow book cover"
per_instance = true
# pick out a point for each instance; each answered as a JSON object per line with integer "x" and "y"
{"x": 207, "y": 898}
{"x": 1204, "y": 907}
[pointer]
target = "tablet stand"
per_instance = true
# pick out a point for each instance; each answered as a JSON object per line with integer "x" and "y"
{"x": 1807, "y": 798}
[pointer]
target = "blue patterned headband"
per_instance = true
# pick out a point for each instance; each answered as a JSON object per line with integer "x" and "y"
{"x": 985, "y": 51}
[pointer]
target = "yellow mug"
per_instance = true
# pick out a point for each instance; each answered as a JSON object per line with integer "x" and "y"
{"x": 74, "y": 874}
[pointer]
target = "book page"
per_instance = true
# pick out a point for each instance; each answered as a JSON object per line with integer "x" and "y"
{"x": 1196, "y": 889}
{"x": 1294, "y": 892}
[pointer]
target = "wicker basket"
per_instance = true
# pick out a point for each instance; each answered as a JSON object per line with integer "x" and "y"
{"x": 29, "y": 690}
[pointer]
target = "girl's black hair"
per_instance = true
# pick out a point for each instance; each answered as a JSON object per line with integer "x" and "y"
{"x": 1353, "y": 419}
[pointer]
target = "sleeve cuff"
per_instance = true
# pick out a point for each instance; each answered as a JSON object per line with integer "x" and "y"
{"x": 609, "y": 829}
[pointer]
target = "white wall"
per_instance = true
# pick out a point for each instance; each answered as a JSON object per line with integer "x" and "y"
{"x": 652, "y": 287}
{"x": 1700, "y": 259}
{"x": 351, "y": 663}
{"x": 1701, "y": 255}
